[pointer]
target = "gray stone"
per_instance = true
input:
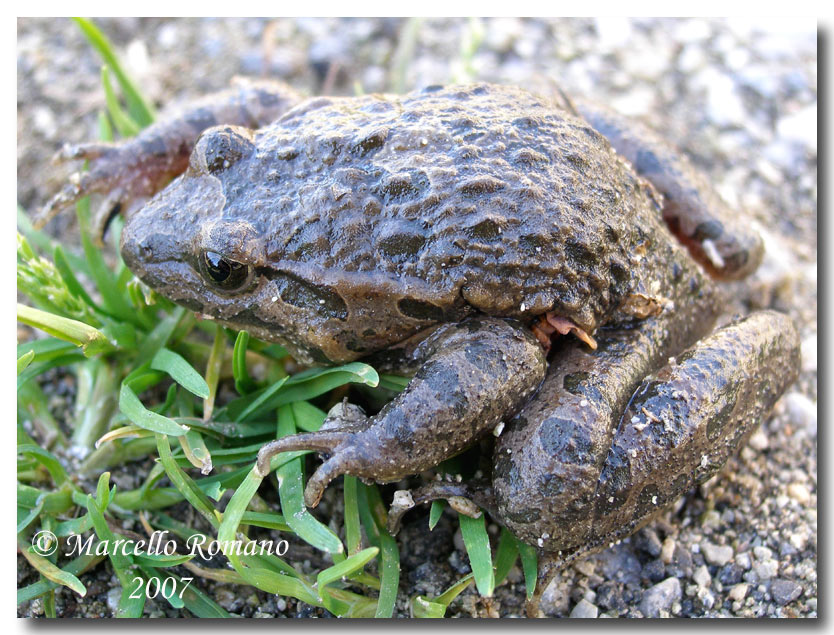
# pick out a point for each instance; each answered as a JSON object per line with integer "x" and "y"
{"x": 784, "y": 591}
{"x": 660, "y": 597}
{"x": 719, "y": 555}
{"x": 584, "y": 609}
{"x": 702, "y": 577}
{"x": 802, "y": 411}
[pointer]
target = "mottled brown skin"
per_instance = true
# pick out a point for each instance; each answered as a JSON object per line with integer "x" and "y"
{"x": 428, "y": 233}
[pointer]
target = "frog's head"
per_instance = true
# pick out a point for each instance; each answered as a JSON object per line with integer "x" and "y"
{"x": 202, "y": 243}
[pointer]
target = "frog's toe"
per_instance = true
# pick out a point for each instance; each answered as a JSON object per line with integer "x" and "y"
{"x": 86, "y": 151}
{"x": 339, "y": 444}
{"x": 465, "y": 498}
{"x": 317, "y": 441}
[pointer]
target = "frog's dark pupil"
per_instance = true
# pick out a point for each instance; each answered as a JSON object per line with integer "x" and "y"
{"x": 226, "y": 273}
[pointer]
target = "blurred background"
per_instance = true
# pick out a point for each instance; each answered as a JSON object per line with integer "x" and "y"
{"x": 739, "y": 96}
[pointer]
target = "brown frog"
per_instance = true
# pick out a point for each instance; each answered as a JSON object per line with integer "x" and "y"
{"x": 461, "y": 234}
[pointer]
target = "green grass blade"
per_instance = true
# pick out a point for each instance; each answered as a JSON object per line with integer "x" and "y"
{"x": 243, "y": 383}
{"x": 48, "y": 460}
{"x": 195, "y": 450}
{"x": 422, "y": 606}
{"x": 436, "y": 511}
{"x": 506, "y": 555}
{"x": 346, "y": 567}
{"x": 90, "y": 339}
{"x": 256, "y": 404}
{"x": 67, "y": 275}
{"x": 529, "y": 565}
{"x": 180, "y": 371}
{"x": 374, "y": 518}
{"x": 123, "y": 122}
{"x": 38, "y": 369}
{"x": 353, "y": 534}
{"x": 50, "y": 571}
{"x": 133, "y": 409}
{"x": 139, "y": 108}
{"x": 268, "y": 520}
{"x": 160, "y": 335}
{"x": 24, "y": 360}
{"x": 185, "y": 483}
{"x": 476, "y": 540}
{"x": 213, "y": 366}
{"x": 301, "y": 387}
{"x": 78, "y": 566}
{"x": 307, "y": 416}
{"x": 115, "y": 302}
{"x": 198, "y": 602}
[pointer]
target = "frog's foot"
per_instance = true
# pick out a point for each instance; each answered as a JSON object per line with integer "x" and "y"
{"x": 716, "y": 237}
{"x": 442, "y": 411}
{"x": 550, "y": 323}
{"x": 335, "y": 437}
{"x": 336, "y": 443}
{"x": 130, "y": 172}
{"x": 465, "y": 498}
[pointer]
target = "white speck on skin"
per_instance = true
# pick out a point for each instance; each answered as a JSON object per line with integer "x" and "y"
{"x": 711, "y": 252}
{"x": 497, "y": 430}
{"x": 275, "y": 298}
{"x": 704, "y": 460}
{"x": 583, "y": 403}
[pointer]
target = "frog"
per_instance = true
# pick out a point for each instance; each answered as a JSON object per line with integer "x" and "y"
{"x": 545, "y": 270}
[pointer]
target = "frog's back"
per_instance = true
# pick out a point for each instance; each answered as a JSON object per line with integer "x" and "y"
{"x": 481, "y": 197}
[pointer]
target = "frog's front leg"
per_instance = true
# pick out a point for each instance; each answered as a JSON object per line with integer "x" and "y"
{"x": 130, "y": 172}
{"x": 473, "y": 374}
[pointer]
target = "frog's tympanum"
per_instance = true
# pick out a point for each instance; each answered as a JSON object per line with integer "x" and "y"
{"x": 543, "y": 268}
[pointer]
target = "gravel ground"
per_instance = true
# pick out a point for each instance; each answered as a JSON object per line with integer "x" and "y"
{"x": 739, "y": 97}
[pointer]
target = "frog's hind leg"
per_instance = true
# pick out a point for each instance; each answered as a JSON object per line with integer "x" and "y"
{"x": 679, "y": 427}
{"x": 718, "y": 238}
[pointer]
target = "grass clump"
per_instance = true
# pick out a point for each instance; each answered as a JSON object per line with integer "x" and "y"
{"x": 147, "y": 376}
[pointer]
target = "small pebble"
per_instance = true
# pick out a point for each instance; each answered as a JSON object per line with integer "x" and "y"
{"x": 584, "y": 609}
{"x": 702, "y": 577}
{"x": 799, "y": 493}
{"x": 784, "y": 591}
{"x": 660, "y": 597}
{"x": 758, "y": 441}
{"x": 730, "y": 574}
{"x": 667, "y": 550}
{"x": 767, "y": 569}
{"x": 762, "y": 553}
{"x": 738, "y": 592}
{"x": 802, "y": 411}
{"x": 743, "y": 560}
{"x": 718, "y": 555}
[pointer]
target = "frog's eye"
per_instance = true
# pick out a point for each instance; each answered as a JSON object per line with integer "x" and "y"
{"x": 225, "y": 273}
